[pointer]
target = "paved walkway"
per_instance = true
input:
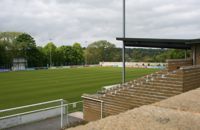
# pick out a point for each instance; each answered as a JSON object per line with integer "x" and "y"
{"x": 50, "y": 124}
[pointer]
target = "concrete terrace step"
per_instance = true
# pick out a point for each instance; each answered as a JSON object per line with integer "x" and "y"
{"x": 164, "y": 84}
{"x": 164, "y": 87}
{"x": 156, "y": 88}
{"x": 153, "y": 89}
{"x": 109, "y": 108}
{"x": 134, "y": 99}
{"x": 143, "y": 91}
{"x": 141, "y": 97}
{"x": 150, "y": 90}
{"x": 163, "y": 80}
{"x": 169, "y": 79}
{"x": 114, "y": 108}
{"x": 117, "y": 101}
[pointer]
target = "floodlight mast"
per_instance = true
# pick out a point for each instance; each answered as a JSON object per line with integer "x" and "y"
{"x": 50, "y": 55}
{"x": 123, "y": 47}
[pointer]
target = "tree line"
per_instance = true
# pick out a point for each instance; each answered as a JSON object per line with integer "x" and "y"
{"x": 22, "y": 45}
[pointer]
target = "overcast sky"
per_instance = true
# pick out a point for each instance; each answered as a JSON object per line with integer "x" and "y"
{"x": 84, "y": 21}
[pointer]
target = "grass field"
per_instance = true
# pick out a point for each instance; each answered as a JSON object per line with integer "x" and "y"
{"x": 27, "y": 87}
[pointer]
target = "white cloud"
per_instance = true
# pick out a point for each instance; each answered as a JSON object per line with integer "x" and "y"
{"x": 69, "y": 21}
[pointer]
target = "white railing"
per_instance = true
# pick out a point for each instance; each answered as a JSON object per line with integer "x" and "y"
{"x": 64, "y": 107}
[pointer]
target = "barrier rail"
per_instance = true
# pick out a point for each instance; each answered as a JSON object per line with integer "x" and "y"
{"x": 62, "y": 106}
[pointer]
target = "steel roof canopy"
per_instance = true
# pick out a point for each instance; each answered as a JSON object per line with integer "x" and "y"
{"x": 160, "y": 43}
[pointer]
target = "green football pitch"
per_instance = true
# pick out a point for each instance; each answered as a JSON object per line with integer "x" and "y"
{"x": 27, "y": 87}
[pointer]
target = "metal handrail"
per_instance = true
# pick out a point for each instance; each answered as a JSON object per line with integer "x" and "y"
{"x": 62, "y": 105}
{"x": 29, "y": 112}
{"x": 32, "y": 105}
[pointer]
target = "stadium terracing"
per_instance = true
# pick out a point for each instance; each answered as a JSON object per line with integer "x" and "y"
{"x": 180, "y": 76}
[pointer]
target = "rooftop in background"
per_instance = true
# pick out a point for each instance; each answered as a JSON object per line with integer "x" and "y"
{"x": 19, "y": 60}
{"x": 160, "y": 43}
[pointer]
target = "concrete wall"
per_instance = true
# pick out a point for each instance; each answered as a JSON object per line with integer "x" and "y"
{"x": 174, "y": 64}
{"x": 23, "y": 119}
{"x": 191, "y": 77}
{"x": 198, "y": 55}
{"x": 91, "y": 110}
{"x": 142, "y": 92}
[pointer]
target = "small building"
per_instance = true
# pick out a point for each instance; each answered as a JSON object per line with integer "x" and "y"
{"x": 19, "y": 64}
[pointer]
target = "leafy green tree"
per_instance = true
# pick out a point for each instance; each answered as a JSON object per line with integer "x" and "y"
{"x": 9, "y": 36}
{"x": 7, "y": 48}
{"x": 59, "y": 61}
{"x": 99, "y": 51}
{"x": 50, "y": 52}
{"x": 26, "y": 48}
{"x": 41, "y": 57}
{"x": 70, "y": 55}
{"x": 17, "y": 44}
{"x": 78, "y": 56}
{"x": 171, "y": 54}
{"x": 2, "y": 54}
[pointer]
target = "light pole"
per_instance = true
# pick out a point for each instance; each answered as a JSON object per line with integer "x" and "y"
{"x": 50, "y": 55}
{"x": 123, "y": 47}
{"x": 86, "y": 53}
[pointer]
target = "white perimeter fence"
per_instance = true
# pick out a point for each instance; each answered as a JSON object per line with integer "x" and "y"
{"x": 37, "y": 112}
{"x": 134, "y": 64}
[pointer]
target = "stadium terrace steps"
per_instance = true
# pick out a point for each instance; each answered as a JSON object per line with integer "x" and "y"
{"x": 180, "y": 112}
{"x": 143, "y": 91}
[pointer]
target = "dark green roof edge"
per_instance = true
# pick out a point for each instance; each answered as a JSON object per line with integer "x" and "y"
{"x": 160, "y": 43}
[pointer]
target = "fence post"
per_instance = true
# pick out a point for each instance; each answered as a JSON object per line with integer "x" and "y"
{"x": 101, "y": 109}
{"x": 67, "y": 115}
{"x": 61, "y": 120}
